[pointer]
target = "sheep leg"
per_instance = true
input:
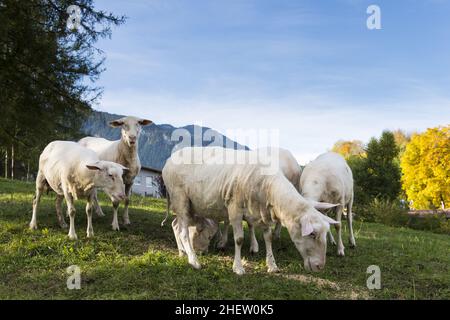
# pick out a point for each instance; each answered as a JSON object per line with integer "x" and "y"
{"x": 71, "y": 212}
{"x": 98, "y": 209}
{"x": 224, "y": 237}
{"x": 350, "y": 224}
{"x": 277, "y": 231}
{"x": 270, "y": 260}
{"x": 89, "y": 206}
{"x": 238, "y": 233}
{"x": 115, "y": 222}
{"x": 40, "y": 181}
{"x": 330, "y": 236}
{"x": 176, "y": 232}
{"x": 254, "y": 247}
{"x": 59, "y": 214}
{"x": 126, "y": 218}
{"x": 184, "y": 236}
{"x": 340, "y": 245}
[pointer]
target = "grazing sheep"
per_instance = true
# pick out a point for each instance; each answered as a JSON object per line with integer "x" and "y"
{"x": 123, "y": 151}
{"x": 238, "y": 191}
{"x": 291, "y": 170}
{"x": 329, "y": 178}
{"x": 200, "y": 234}
{"x": 73, "y": 171}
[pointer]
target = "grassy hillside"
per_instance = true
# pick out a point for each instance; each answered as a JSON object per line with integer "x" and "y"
{"x": 141, "y": 262}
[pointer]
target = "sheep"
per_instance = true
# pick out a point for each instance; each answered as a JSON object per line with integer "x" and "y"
{"x": 291, "y": 170}
{"x": 238, "y": 191}
{"x": 289, "y": 167}
{"x": 329, "y": 178}
{"x": 73, "y": 171}
{"x": 123, "y": 151}
{"x": 200, "y": 234}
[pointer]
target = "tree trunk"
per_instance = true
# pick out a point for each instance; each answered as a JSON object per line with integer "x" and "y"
{"x": 28, "y": 171}
{"x": 12, "y": 161}
{"x": 6, "y": 163}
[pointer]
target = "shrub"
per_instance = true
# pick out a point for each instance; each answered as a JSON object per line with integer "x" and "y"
{"x": 384, "y": 211}
{"x": 392, "y": 213}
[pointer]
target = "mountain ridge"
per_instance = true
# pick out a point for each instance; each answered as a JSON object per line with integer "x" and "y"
{"x": 155, "y": 143}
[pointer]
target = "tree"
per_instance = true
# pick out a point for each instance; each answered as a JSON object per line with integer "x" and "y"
{"x": 402, "y": 138}
{"x": 47, "y": 71}
{"x": 349, "y": 148}
{"x": 426, "y": 168}
{"x": 378, "y": 174}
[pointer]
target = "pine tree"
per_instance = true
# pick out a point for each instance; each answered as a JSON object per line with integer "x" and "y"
{"x": 43, "y": 67}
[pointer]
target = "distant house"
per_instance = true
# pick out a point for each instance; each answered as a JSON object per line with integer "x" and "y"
{"x": 145, "y": 183}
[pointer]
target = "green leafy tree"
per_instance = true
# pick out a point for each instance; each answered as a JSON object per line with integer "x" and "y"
{"x": 378, "y": 174}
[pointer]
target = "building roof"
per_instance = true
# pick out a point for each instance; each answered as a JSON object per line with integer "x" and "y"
{"x": 151, "y": 169}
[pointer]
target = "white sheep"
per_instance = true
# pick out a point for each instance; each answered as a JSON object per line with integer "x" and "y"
{"x": 201, "y": 232}
{"x": 73, "y": 172}
{"x": 235, "y": 191}
{"x": 291, "y": 170}
{"x": 328, "y": 178}
{"x": 123, "y": 151}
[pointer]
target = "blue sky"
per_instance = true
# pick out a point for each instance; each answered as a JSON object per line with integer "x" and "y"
{"x": 308, "y": 68}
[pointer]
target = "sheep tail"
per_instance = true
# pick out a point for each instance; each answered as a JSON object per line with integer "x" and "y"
{"x": 167, "y": 211}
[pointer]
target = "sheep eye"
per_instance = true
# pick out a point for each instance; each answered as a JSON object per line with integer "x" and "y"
{"x": 313, "y": 235}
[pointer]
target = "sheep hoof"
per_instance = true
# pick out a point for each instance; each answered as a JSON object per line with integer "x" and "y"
{"x": 33, "y": 226}
{"x": 195, "y": 265}
{"x": 73, "y": 236}
{"x": 273, "y": 269}
{"x": 341, "y": 253}
{"x": 254, "y": 250}
{"x": 239, "y": 271}
{"x": 115, "y": 227}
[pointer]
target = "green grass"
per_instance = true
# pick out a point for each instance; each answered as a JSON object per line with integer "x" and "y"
{"x": 141, "y": 261}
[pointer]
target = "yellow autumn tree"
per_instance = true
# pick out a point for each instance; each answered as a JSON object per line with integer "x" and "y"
{"x": 425, "y": 166}
{"x": 349, "y": 148}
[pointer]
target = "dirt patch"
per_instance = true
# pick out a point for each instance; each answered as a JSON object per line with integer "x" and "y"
{"x": 342, "y": 291}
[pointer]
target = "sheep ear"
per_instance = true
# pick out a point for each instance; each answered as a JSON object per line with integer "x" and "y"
{"x": 329, "y": 220}
{"x": 307, "y": 227}
{"x": 116, "y": 123}
{"x": 93, "y": 166}
{"x": 145, "y": 122}
{"x": 323, "y": 205}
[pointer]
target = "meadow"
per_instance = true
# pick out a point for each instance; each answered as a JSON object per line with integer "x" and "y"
{"x": 141, "y": 261}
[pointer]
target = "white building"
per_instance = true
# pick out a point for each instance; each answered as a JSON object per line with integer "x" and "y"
{"x": 145, "y": 183}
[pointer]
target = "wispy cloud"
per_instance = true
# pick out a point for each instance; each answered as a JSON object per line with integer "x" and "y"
{"x": 308, "y": 68}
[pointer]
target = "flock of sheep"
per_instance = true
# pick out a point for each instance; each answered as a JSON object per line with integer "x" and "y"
{"x": 206, "y": 186}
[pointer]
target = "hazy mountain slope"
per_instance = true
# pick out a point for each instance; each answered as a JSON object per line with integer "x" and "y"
{"x": 155, "y": 144}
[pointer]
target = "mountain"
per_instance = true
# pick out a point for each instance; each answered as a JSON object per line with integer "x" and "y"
{"x": 155, "y": 143}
